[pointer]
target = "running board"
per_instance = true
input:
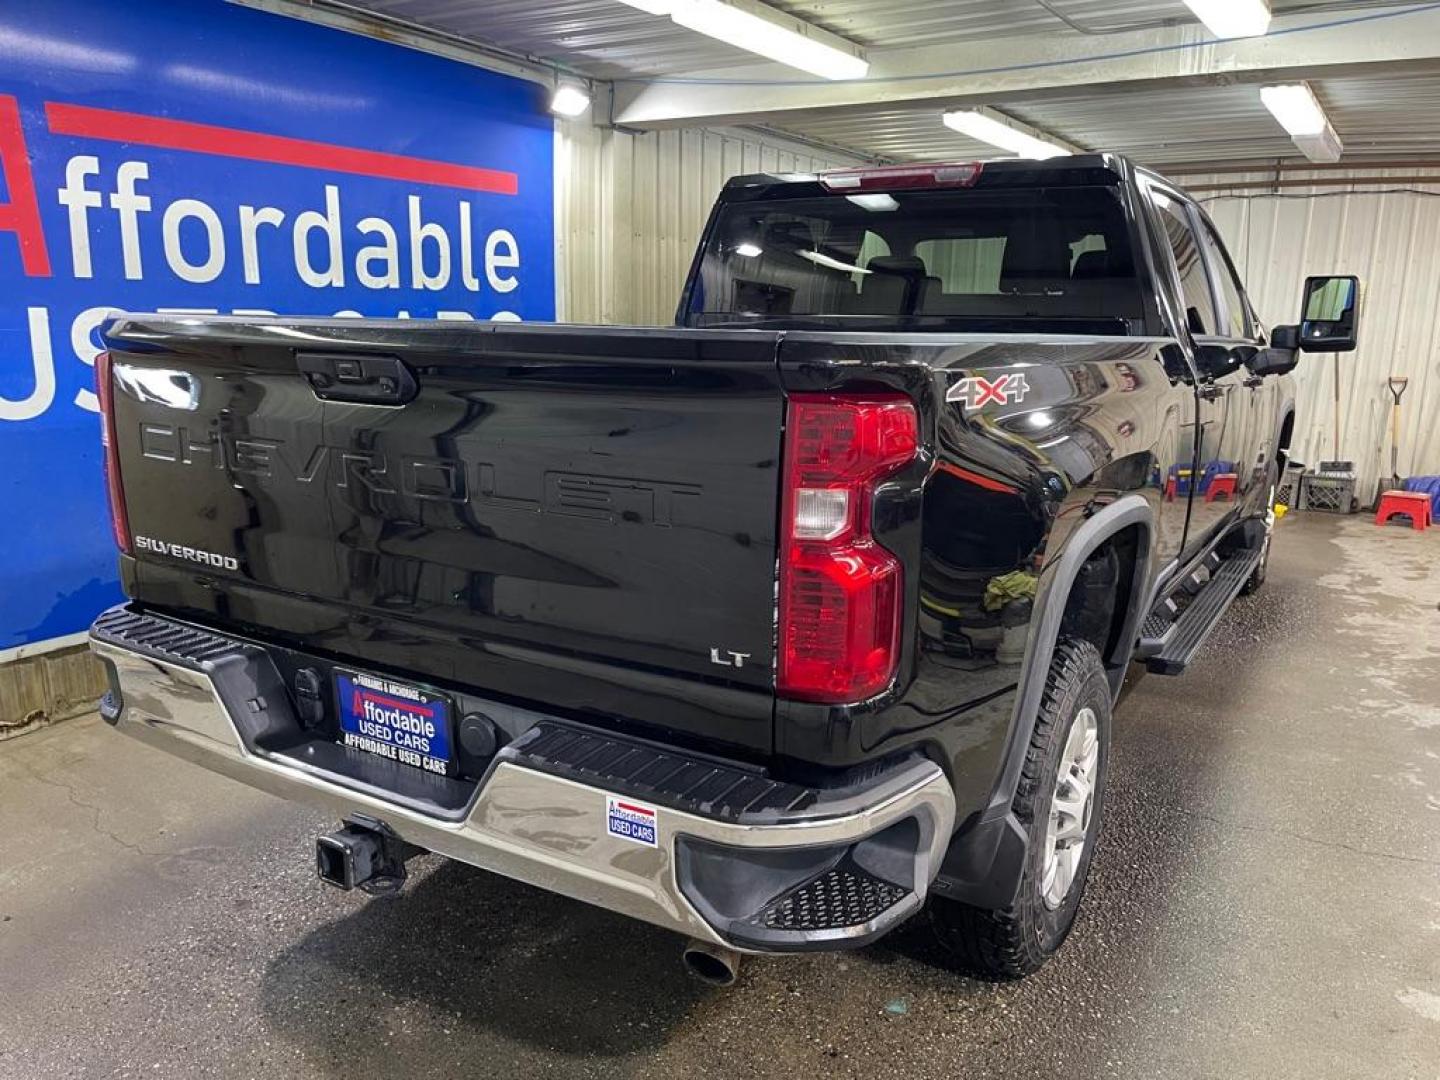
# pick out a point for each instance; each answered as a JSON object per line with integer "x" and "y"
{"x": 1168, "y": 645}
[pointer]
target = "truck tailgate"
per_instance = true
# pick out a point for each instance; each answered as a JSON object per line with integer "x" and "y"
{"x": 597, "y": 505}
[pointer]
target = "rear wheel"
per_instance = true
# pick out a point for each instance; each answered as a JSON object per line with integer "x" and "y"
{"x": 1059, "y": 802}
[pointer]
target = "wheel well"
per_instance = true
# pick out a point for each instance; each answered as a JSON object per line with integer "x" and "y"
{"x": 1282, "y": 444}
{"x": 1102, "y": 595}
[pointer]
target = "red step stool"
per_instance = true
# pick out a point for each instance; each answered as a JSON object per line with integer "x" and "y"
{"x": 1221, "y": 484}
{"x": 1414, "y": 504}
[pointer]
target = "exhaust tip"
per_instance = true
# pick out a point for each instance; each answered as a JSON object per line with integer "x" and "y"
{"x": 714, "y": 965}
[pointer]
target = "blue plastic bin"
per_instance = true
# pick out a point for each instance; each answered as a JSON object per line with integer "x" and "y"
{"x": 1430, "y": 485}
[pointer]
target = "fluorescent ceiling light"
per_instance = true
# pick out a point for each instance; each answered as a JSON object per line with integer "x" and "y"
{"x": 737, "y": 26}
{"x": 821, "y": 259}
{"x": 765, "y": 31}
{"x": 1232, "y": 18}
{"x": 1302, "y": 116}
{"x": 988, "y": 128}
{"x": 1295, "y": 107}
{"x": 880, "y": 202}
{"x": 749, "y": 250}
{"x": 652, "y": 7}
{"x": 570, "y": 99}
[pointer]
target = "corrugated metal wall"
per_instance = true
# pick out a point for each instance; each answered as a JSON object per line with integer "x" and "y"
{"x": 1388, "y": 234}
{"x": 630, "y": 208}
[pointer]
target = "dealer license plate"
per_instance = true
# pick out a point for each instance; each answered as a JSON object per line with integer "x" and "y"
{"x": 392, "y": 720}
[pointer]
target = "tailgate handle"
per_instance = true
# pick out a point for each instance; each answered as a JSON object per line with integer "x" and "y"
{"x": 360, "y": 378}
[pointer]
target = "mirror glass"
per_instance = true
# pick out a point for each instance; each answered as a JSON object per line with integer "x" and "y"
{"x": 1329, "y": 307}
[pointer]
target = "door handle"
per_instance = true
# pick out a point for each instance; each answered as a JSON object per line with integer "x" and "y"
{"x": 1253, "y": 382}
{"x": 358, "y": 378}
{"x": 1210, "y": 393}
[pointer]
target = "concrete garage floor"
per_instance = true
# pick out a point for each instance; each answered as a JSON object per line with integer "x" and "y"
{"x": 1266, "y": 903}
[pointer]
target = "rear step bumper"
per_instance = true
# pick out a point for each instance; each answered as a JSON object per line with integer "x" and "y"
{"x": 790, "y": 869}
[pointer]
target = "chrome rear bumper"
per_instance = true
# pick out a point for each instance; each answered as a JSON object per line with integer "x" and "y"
{"x": 551, "y": 831}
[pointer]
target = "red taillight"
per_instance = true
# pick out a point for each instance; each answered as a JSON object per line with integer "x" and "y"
{"x": 899, "y": 177}
{"x": 105, "y": 391}
{"x": 840, "y": 592}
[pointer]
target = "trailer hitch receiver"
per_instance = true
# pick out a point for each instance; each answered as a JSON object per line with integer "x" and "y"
{"x": 364, "y": 854}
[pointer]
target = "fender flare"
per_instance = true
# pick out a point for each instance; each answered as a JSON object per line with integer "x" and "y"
{"x": 985, "y": 861}
{"x": 1124, "y": 512}
{"x": 1287, "y": 414}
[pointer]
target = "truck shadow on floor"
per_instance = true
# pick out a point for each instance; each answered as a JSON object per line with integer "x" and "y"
{"x": 473, "y": 958}
{"x": 468, "y": 965}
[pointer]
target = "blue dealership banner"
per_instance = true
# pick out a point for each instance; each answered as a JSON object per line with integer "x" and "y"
{"x": 192, "y": 155}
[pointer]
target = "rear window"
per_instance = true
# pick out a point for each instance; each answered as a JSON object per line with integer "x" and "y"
{"x": 1051, "y": 255}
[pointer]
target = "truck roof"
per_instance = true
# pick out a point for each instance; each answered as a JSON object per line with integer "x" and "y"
{"x": 1096, "y": 168}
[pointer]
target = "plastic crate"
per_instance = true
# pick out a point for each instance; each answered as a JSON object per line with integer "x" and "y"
{"x": 1330, "y": 494}
{"x": 1287, "y": 489}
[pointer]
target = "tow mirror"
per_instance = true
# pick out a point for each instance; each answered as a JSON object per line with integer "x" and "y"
{"x": 1217, "y": 361}
{"x": 1330, "y": 314}
{"x": 1280, "y": 357}
{"x": 1273, "y": 361}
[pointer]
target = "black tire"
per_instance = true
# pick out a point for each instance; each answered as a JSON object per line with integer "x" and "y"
{"x": 1017, "y": 941}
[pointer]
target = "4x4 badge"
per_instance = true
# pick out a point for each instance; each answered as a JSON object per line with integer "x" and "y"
{"x": 977, "y": 391}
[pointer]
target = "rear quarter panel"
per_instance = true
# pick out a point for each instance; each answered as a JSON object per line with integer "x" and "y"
{"x": 988, "y": 509}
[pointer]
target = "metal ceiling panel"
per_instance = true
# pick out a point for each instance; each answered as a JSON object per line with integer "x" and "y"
{"x": 1378, "y": 115}
{"x": 606, "y": 38}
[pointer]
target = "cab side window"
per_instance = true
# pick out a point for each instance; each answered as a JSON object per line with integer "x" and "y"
{"x": 1237, "y": 319}
{"x": 1194, "y": 282}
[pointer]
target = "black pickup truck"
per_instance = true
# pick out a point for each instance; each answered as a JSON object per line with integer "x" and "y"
{"x": 772, "y": 628}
